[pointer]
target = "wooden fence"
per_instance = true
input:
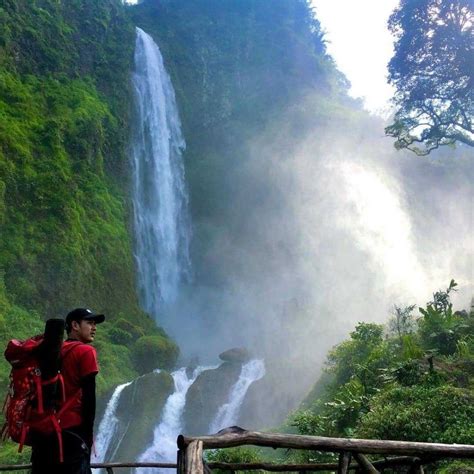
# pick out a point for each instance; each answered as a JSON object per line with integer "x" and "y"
{"x": 352, "y": 454}
{"x": 413, "y": 455}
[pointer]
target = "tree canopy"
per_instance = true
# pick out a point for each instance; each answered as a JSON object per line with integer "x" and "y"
{"x": 432, "y": 71}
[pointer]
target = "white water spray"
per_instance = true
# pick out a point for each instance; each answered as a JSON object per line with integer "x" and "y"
{"x": 108, "y": 425}
{"x": 160, "y": 200}
{"x": 227, "y": 415}
{"x": 163, "y": 448}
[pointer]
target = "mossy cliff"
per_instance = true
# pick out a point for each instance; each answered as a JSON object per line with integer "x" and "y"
{"x": 64, "y": 201}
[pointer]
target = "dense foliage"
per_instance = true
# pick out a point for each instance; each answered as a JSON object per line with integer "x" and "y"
{"x": 432, "y": 74}
{"x": 415, "y": 383}
{"x": 64, "y": 107}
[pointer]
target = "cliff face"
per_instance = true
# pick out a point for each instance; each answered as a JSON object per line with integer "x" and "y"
{"x": 65, "y": 105}
{"x": 64, "y": 201}
{"x": 237, "y": 68}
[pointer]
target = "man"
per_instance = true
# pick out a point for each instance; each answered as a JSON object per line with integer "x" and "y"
{"x": 79, "y": 369}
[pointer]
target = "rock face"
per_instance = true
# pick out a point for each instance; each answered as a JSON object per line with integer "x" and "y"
{"x": 237, "y": 354}
{"x": 209, "y": 391}
{"x": 139, "y": 409}
{"x": 265, "y": 404}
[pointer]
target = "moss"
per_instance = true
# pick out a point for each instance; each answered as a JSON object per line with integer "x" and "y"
{"x": 152, "y": 352}
{"x": 134, "y": 330}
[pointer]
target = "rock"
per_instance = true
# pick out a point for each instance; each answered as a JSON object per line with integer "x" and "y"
{"x": 139, "y": 408}
{"x": 208, "y": 392}
{"x": 237, "y": 354}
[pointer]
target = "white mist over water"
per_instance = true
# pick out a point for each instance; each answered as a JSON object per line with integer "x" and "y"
{"x": 228, "y": 413}
{"x": 108, "y": 425}
{"x": 160, "y": 200}
{"x": 163, "y": 448}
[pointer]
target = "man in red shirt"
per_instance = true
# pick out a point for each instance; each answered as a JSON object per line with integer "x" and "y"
{"x": 79, "y": 369}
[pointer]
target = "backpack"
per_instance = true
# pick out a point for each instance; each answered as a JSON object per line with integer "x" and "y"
{"x": 33, "y": 403}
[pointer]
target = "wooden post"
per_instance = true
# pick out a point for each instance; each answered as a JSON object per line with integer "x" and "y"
{"x": 416, "y": 467}
{"x": 344, "y": 461}
{"x": 365, "y": 464}
{"x": 180, "y": 461}
{"x": 207, "y": 469}
{"x": 193, "y": 458}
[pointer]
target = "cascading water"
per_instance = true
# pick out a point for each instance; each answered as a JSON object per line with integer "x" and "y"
{"x": 163, "y": 448}
{"x": 162, "y": 236}
{"x": 227, "y": 415}
{"x": 160, "y": 200}
{"x": 108, "y": 425}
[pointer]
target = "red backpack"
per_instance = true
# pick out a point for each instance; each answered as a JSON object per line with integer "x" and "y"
{"x": 25, "y": 406}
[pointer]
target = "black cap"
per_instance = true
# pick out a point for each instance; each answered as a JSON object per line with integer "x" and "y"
{"x": 80, "y": 314}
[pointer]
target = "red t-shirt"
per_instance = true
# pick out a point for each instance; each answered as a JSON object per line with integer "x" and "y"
{"x": 79, "y": 360}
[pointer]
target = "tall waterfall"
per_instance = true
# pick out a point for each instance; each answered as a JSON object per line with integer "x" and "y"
{"x": 227, "y": 415}
{"x": 163, "y": 448}
{"x": 160, "y": 200}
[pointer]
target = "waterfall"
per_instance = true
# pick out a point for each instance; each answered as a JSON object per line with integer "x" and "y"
{"x": 163, "y": 448}
{"x": 108, "y": 425}
{"x": 228, "y": 413}
{"x": 160, "y": 200}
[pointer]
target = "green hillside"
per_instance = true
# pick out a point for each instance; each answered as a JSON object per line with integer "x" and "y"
{"x": 64, "y": 201}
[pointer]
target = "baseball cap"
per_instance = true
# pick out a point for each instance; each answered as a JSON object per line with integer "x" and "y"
{"x": 80, "y": 314}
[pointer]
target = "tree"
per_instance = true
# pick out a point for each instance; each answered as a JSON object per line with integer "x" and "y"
{"x": 441, "y": 328}
{"x": 432, "y": 71}
{"x": 402, "y": 321}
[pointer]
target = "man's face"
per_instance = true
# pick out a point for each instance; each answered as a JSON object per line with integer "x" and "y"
{"x": 84, "y": 330}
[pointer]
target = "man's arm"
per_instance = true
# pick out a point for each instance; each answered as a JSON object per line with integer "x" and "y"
{"x": 88, "y": 408}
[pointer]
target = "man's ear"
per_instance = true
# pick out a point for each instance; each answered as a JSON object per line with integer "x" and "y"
{"x": 75, "y": 325}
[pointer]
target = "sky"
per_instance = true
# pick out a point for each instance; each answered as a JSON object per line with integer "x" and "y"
{"x": 361, "y": 45}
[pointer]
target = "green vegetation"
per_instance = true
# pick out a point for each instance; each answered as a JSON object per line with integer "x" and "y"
{"x": 64, "y": 210}
{"x": 431, "y": 71}
{"x": 150, "y": 352}
{"x": 415, "y": 382}
{"x": 234, "y": 455}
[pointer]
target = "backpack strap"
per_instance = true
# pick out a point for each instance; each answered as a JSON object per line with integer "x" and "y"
{"x": 39, "y": 391}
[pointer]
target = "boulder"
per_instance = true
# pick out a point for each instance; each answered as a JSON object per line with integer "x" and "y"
{"x": 139, "y": 410}
{"x": 206, "y": 395}
{"x": 237, "y": 354}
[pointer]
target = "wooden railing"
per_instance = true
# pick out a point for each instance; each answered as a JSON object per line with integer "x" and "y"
{"x": 414, "y": 455}
{"x": 352, "y": 454}
{"x": 108, "y": 466}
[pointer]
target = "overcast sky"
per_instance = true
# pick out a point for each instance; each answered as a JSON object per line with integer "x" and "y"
{"x": 360, "y": 43}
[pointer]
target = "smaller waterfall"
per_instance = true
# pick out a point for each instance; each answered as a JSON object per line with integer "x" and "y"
{"x": 108, "y": 425}
{"x": 163, "y": 448}
{"x": 228, "y": 413}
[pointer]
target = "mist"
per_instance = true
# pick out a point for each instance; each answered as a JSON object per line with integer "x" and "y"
{"x": 329, "y": 226}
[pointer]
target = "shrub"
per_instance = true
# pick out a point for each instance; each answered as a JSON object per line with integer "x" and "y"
{"x": 152, "y": 352}
{"x": 234, "y": 455}
{"x": 442, "y": 414}
{"x": 129, "y": 327}
{"x": 119, "y": 336}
